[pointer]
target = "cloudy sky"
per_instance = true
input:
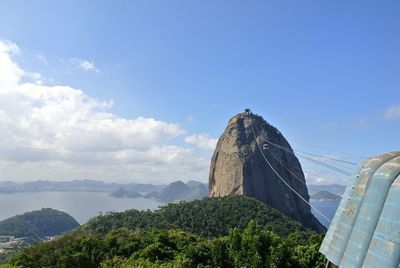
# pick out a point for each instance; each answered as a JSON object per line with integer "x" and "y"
{"x": 139, "y": 91}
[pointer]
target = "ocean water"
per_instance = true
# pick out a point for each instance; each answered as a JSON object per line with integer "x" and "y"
{"x": 328, "y": 208}
{"x": 85, "y": 205}
{"x": 80, "y": 205}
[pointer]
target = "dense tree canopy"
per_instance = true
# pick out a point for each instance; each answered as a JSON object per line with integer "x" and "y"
{"x": 210, "y": 217}
{"x": 39, "y": 223}
{"x": 253, "y": 247}
{"x": 217, "y": 232}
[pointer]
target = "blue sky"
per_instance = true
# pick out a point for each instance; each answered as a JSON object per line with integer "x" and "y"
{"x": 326, "y": 73}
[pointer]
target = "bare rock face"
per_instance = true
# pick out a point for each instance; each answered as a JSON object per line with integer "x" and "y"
{"x": 238, "y": 167}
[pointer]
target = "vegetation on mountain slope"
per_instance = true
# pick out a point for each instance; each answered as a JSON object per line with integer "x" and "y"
{"x": 228, "y": 232}
{"x": 210, "y": 217}
{"x": 253, "y": 247}
{"x": 38, "y": 224}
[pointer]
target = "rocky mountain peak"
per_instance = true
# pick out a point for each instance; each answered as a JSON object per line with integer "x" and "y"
{"x": 238, "y": 167}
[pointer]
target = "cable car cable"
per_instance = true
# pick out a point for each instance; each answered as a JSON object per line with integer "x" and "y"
{"x": 279, "y": 176}
{"x": 344, "y": 172}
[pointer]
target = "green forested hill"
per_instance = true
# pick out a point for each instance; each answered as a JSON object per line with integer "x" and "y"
{"x": 325, "y": 196}
{"x": 231, "y": 231}
{"x": 210, "y": 217}
{"x": 38, "y": 224}
{"x": 122, "y": 248}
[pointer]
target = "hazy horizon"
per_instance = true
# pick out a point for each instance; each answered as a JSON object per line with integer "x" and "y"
{"x": 138, "y": 182}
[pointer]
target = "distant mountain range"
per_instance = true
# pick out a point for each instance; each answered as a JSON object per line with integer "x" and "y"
{"x": 176, "y": 191}
{"x": 332, "y": 188}
{"x": 325, "y": 196}
{"x": 75, "y": 185}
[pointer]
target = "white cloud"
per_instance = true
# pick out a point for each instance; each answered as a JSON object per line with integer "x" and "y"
{"x": 331, "y": 125}
{"x": 42, "y": 59}
{"x": 85, "y": 65}
{"x": 202, "y": 141}
{"x": 312, "y": 178}
{"x": 392, "y": 113}
{"x": 190, "y": 119}
{"x": 9, "y": 71}
{"x": 9, "y": 47}
{"x": 59, "y": 132}
{"x": 35, "y": 77}
{"x": 365, "y": 121}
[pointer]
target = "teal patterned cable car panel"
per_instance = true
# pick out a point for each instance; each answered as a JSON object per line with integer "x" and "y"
{"x": 349, "y": 235}
{"x": 384, "y": 249}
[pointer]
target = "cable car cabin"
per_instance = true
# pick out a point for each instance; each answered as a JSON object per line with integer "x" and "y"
{"x": 365, "y": 231}
{"x": 265, "y": 146}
